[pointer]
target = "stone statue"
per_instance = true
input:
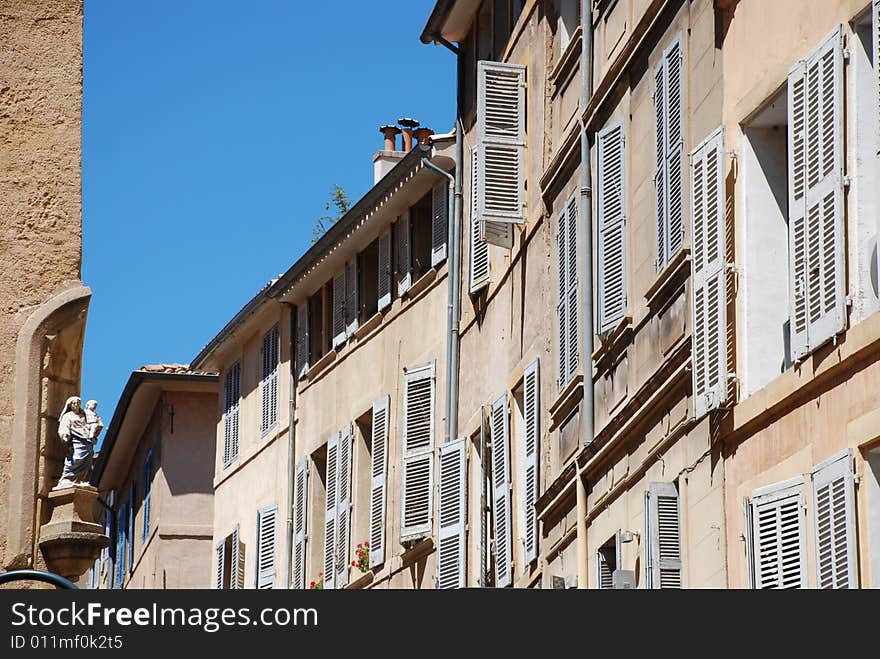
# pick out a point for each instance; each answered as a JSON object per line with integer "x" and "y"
{"x": 79, "y": 429}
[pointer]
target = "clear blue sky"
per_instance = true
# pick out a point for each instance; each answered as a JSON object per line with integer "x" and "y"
{"x": 212, "y": 135}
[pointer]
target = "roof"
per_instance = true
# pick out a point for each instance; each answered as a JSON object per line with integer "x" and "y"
{"x": 450, "y": 20}
{"x": 179, "y": 369}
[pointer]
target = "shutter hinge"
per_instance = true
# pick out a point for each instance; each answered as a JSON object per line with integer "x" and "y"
{"x": 845, "y": 52}
{"x": 849, "y": 300}
{"x": 847, "y": 181}
{"x": 731, "y": 267}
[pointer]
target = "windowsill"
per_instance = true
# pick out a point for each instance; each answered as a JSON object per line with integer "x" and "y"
{"x": 320, "y": 364}
{"x": 374, "y": 321}
{"x": 669, "y": 279}
{"x": 565, "y": 402}
{"x": 567, "y": 59}
{"x": 420, "y": 284}
{"x": 613, "y": 340}
{"x": 420, "y": 546}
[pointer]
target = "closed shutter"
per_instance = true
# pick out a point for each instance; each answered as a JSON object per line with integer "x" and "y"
{"x": 231, "y": 413}
{"x": 300, "y": 521}
{"x": 121, "y": 518}
{"x": 236, "y": 570}
{"x": 418, "y": 446}
{"x": 479, "y": 255}
{"x": 220, "y": 550}
{"x": 266, "y": 532}
{"x": 663, "y": 536}
{"x": 501, "y": 136}
{"x": 439, "y": 220}
{"x": 129, "y": 536}
{"x": 404, "y": 260}
{"x": 835, "y": 523}
{"x": 384, "y": 290}
{"x": 351, "y": 297}
{"x": 532, "y": 423}
{"x": 669, "y": 178}
{"x": 779, "y": 536}
{"x": 339, "y": 308}
{"x": 148, "y": 486}
{"x": 611, "y": 206}
{"x": 302, "y": 339}
{"x": 497, "y": 233}
{"x": 452, "y": 513}
{"x": 343, "y": 506}
{"x": 501, "y": 513}
{"x": 331, "y": 480}
{"x": 708, "y": 285}
{"x": 815, "y": 182}
{"x": 378, "y": 469}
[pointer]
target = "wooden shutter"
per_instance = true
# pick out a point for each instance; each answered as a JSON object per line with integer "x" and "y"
{"x": 567, "y": 307}
{"x": 404, "y": 260}
{"x": 339, "y": 308}
{"x": 669, "y": 178}
{"x": 532, "y": 461}
{"x": 479, "y": 255}
{"x": 418, "y": 446}
{"x": 302, "y": 339}
{"x": 148, "y": 487}
{"x": 497, "y": 233}
{"x": 266, "y": 533}
{"x": 351, "y": 297}
{"x": 129, "y": 536}
{"x": 331, "y": 480}
{"x": 660, "y": 176}
{"x": 501, "y": 513}
{"x": 663, "y": 536}
{"x": 439, "y": 221}
{"x": 378, "y": 469}
{"x": 269, "y": 381}
{"x": 835, "y": 523}
{"x": 343, "y": 506}
{"x": 385, "y": 268}
{"x": 121, "y": 516}
{"x": 453, "y": 515}
{"x": 611, "y": 205}
{"x": 815, "y": 180}
{"x": 708, "y": 273}
{"x": 232, "y": 389}
{"x": 300, "y": 521}
{"x": 501, "y": 136}
{"x": 779, "y": 536}
{"x": 236, "y": 570}
{"x": 562, "y": 299}
{"x": 220, "y": 550}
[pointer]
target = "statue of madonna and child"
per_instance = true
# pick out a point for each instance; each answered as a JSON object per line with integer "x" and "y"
{"x": 78, "y": 428}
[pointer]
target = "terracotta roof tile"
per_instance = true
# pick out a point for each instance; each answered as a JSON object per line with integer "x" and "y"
{"x": 172, "y": 368}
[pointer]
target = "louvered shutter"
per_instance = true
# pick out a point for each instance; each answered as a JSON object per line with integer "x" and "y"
{"x": 351, "y": 297}
{"x": 418, "y": 446}
{"x": 532, "y": 428}
{"x": 497, "y": 233}
{"x": 332, "y": 478}
{"x": 835, "y": 523}
{"x": 663, "y": 536}
{"x": 501, "y": 513}
{"x": 236, "y": 570}
{"x": 501, "y": 136}
{"x": 302, "y": 339}
{"x": 339, "y": 308}
{"x": 611, "y": 207}
{"x": 603, "y": 572}
{"x": 121, "y": 516}
{"x": 660, "y": 176}
{"x": 343, "y": 506}
{"x": 269, "y": 382}
{"x": 129, "y": 536}
{"x": 669, "y": 178}
{"x": 300, "y": 520}
{"x": 708, "y": 285}
{"x": 404, "y": 260}
{"x": 378, "y": 469}
{"x": 779, "y": 536}
{"x": 385, "y": 268}
{"x": 220, "y": 549}
{"x": 815, "y": 181}
{"x": 571, "y": 290}
{"x": 452, "y": 513}
{"x": 439, "y": 219}
{"x": 148, "y": 487}
{"x": 266, "y": 532}
{"x": 479, "y": 255}
{"x": 562, "y": 298}
{"x": 232, "y": 394}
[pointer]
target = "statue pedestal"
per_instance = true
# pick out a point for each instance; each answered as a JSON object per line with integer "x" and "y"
{"x": 72, "y": 540}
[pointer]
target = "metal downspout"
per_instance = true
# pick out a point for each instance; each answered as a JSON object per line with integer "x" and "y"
{"x": 291, "y": 437}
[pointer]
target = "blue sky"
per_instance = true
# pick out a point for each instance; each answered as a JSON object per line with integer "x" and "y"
{"x": 213, "y": 133}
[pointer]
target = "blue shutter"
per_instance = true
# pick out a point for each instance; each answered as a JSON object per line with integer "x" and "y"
{"x": 148, "y": 486}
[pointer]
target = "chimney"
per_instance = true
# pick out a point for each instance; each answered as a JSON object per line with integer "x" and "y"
{"x": 408, "y": 126}
{"x": 384, "y": 161}
{"x": 390, "y": 132}
{"x": 423, "y": 134}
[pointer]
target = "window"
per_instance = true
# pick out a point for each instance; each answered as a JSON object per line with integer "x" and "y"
{"x": 567, "y": 300}
{"x": 148, "y": 486}
{"x": 418, "y": 447}
{"x": 300, "y": 523}
{"x": 567, "y": 22}
{"x": 662, "y": 536}
{"x": 265, "y": 554}
{"x": 232, "y": 401}
{"x": 420, "y": 217}
{"x": 230, "y": 562}
{"x": 607, "y": 563}
{"x": 269, "y": 380}
{"x": 337, "y": 509}
{"x": 368, "y": 294}
{"x": 611, "y": 208}
{"x": 318, "y": 484}
{"x": 452, "y": 514}
{"x": 378, "y": 478}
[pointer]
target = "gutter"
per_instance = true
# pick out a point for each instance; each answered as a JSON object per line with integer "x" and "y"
{"x": 291, "y": 450}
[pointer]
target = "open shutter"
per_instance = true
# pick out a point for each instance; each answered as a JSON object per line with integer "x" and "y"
{"x": 612, "y": 226}
{"x": 119, "y": 571}
{"x": 351, "y": 297}
{"x": 663, "y": 536}
{"x": 571, "y": 290}
{"x": 418, "y": 446}
{"x": 385, "y": 268}
{"x": 270, "y": 378}
{"x": 835, "y": 523}
{"x": 779, "y": 536}
{"x": 300, "y": 520}
{"x": 603, "y": 572}
{"x": 500, "y": 423}
{"x": 660, "y": 176}
{"x": 266, "y": 532}
{"x": 708, "y": 286}
{"x": 479, "y": 255}
{"x": 439, "y": 220}
{"x": 404, "y": 260}
{"x": 532, "y": 423}
{"x": 378, "y": 469}
{"x": 220, "y": 550}
{"x": 453, "y": 498}
{"x": 669, "y": 177}
{"x": 343, "y": 507}
{"x": 875, "y": 31}
{"x": 562, "y": 298}
{"x": 330, "y": 511}
{"x": 130, "y": 534}
{"x": 148, "y": 487}
{"x": 339, "y": 308}
{"x": 302, "y": 339}
{"x": 501, "y": 136}
{"x": 816, "y": 265}
{"x": 232, "y": 394}
{"x": 236, "y": 568}
{"x": 497, "y": 233}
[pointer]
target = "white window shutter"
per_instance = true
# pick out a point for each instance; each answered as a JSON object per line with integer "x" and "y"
{"x": 331, "y": 480}
{"x": 663, "y": 536}
{"x": 385, "y": 269}
{"x": 453, "y": 515}
{"x": 779, "y": 536}
{"x": 343, "y": 506}
{"x": 439, "y": 222}
{"x": 660, "y": 176}
{"x": 232, "y": 395}
{"x": 834, "y": 515}
{"x": 816, "y": 249}
{"x": 501, "y": 136}
{"x": 236, "y": 570}
{"x": 379, "y": 467}
{"x": 611, "y": 205}
{"x": 497, "y": 233}
{"x": 875, "y": 31}
{"x": 418, "y": 446}
{"x": 220, "y": 550}
{"x": 339, "y": 308}
{"x": 562, "y": 298}
{"x": 571, "y": 271}
{"x": 532, "y": 461}
{"x": 501, "y": 511}
{"x": 669, "y": 177}
{"x": 351, "y": 297}
{"x": 266, "y": 533}
{"x": 404, "y": 260}
{"x": 269, "y": 381}
{"x": 302, "y": 339}
{"x": 603, "y": 572}
{"x": 479, "y": 254}
{"x": 300, "y": 521}
{"x": 708, "y": 275}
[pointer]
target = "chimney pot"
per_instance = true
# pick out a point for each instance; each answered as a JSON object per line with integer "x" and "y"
{"x": 390, "y": 133}
{"x": 409, "y": 125}
{"x": 423, "y": 134}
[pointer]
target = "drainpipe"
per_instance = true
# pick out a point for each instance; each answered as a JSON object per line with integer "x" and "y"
{"x": 586, "y": 256}
{"x": 291, "y": 437}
